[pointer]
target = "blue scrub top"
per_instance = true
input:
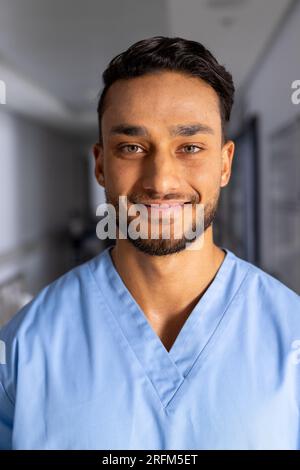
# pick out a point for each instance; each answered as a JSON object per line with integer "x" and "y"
{"x": 83, "y": 368}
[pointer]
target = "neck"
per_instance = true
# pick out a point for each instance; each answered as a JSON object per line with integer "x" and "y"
{"x": 168, "y": 287}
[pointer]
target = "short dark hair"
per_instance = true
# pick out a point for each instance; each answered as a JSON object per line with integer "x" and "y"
{"x": 176, "y": 54}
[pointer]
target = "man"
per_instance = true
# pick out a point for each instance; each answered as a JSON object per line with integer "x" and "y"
{"x": 153, "y": 344}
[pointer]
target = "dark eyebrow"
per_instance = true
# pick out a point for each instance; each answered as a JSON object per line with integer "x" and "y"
{"x": 178, "y": 130}
{"x": 130, "y": 130}
{"x": 190, "y": 129}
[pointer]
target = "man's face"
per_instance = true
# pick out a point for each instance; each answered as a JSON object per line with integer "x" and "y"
{"x": 162, "y": 143}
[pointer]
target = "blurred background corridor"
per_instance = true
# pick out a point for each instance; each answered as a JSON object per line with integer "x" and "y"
{"x": 52, "y": 55}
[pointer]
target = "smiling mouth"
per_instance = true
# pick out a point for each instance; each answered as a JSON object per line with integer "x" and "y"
{"x": 165, "y": 209}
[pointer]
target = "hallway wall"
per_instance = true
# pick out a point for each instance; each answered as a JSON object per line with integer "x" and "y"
{"x": 267, "y": 94}
{"x": 40, "y": 185}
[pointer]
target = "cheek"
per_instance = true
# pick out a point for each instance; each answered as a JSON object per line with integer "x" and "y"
{"x": 206, "y": 176}
{"x": 119, "y": 177}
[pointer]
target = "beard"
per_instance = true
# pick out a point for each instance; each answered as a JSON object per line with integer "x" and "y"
{"x": 166, "y": 246}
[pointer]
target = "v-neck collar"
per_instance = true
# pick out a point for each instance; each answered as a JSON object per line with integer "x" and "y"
{"x": 168, "y": 369}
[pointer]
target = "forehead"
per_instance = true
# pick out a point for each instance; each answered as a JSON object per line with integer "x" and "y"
{"x": 163, "y": 97}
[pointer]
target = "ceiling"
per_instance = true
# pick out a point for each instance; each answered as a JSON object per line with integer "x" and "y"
{"x": 52, "y": 52}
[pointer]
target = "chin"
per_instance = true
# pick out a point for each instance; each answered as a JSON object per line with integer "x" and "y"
{"x": 159, "y": 247}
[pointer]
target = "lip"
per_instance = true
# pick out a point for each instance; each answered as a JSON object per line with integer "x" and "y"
{"x": 166, "y": 208}
{"x": 166, "y": 205}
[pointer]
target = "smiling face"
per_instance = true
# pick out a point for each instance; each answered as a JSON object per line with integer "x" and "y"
{"x": 162, "y": 143}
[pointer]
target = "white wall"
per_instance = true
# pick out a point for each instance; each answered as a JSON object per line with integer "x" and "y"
{"x": 39, "y": 187}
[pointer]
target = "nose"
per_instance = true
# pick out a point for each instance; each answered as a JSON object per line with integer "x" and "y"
{"x": 161, "y": 173}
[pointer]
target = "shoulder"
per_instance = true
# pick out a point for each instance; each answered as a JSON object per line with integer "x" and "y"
{"x": 269, "y": 298}
{"x": 260, "y": 279}
{"x": 268, "y": 285}
{"x": 52, "y": 300}
{"x": 52, "y": 314}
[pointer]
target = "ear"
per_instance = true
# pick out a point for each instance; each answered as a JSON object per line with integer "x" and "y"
{"x": 99, "y": 166}
{"x": 227, "y": 157}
